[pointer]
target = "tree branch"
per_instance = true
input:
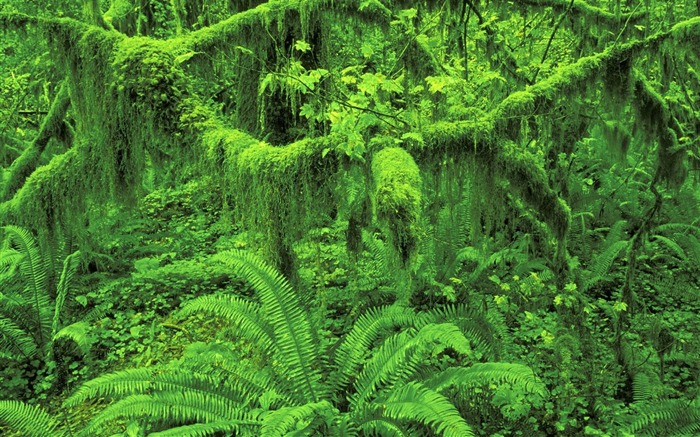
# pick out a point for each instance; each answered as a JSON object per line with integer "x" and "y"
{"x": 28, "y": 161}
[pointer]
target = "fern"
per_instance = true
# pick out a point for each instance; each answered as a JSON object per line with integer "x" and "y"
{"x": 294, "y": 343}
{"x": 280, "y": 422}
{"x": 399, "y": 357}
{"x": 244, "y": 315}
{"x": 641, "y": 387}
{"x": 34, "y": 269}
{"x": 29, "y": 420}
{"x": 665, "y": 417}
{"x": 174, "y": 406}
{"x": 473, "y": 324}
{"x": 604, "y": 261}
{"x": 79, "y": 333}
{"x": 414, "y": 401}
{"x": 29, "y": 318}
{"x": 70, "y": 265}
{"x": 15, "y": 342}
{"x": 237, "y": 427}
{"x": 368, "y": 328}
{"x": 487, "y": 373}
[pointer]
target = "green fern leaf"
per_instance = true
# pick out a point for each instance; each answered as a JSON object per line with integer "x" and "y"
{"x": 30, "y": 420}
{"x": 34, "y": 269}
{"x": 280, "y": 422}
{"x": 368, "y": 329}
{"x": 399, "y": 357}
{"x": 15, "y": 341}
{"x": 245, "y": 316}
{"x": 672, "y": 246}
{"x": 79, "y": 333}
{"x": 641, "y": 387}
{"x": 171, "y": 407}
{"x": 70, "y": 265}
{"x": 657, "y": 417}
{"x": 231, "y": 427}
{"x": 487, "y": 373}
{"x": 604, "y": 261}
{"x": 415, "y": 402}
{"x": 472, "y": 323}
{"x": 296, "y": 349}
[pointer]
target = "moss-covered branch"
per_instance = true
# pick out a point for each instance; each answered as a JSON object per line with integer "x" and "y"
{"x": 527, "y": 178}
{"x": 581, "y": 7}
{"x": 27, "y": 162}
{"x": 49, "y": 195}
{"x": 245, "y": 25}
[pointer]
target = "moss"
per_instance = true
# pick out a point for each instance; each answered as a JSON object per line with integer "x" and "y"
{"x": 26, "y": 163}
{"x": 687, "y": 33}
{"x": 585, "y": 8}
{"x": 48, "y": 199}
{"x": 398, "y": 198}
{"x": 530, "y": 181}
{"x": 654, "y": 119}
{"x": 274, "y": 189}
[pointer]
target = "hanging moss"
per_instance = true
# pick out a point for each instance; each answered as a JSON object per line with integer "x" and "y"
{"x": 275, "y": 190}
{"x": 530, "y": 181}
{"x": 123, "y": 16}
{"x": 398, "y": 198}
{"x": 616, "y": 78}
{"x": 48, "y": 198}
{"x": 687, "y": 33}
{"x": 653, "y": 118}
{"x": 27, "y": 162}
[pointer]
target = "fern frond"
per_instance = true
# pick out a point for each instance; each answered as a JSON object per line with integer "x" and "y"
{"x": 472, "y": 323}
{"x": 148, "y": 380}
{"x": 616, "y": 232}
{"x": 681, "y": 228}
{"x": 368, "y": 328}
{"x": 641, "y": 387}
{"x": 487, "y": 373}
{"x": 78, "y": 333}
{"x": 14, "y": 340}
{"x": 693, "y": 249}
{"x": 659, "y": 416}
{"x": 377, "y": 248}
{"x": 70, "y": 265}
{"x": 122, "y": 383}
{"x": 171, "y": 407}
{"x": 415, "y": 402}
{"x": 9, "y": 258}
{"x": 34, "y": 268}
{"x": 604, "y": 261}
{"x": 376, "y": 424}
{"x": 245, "y": 316}
{"x": 240, "y": 381}
{"x": 237, "y": 427}
{"x": 30, "y": 420}
{"x": 470, "y": 253}
{"x": 297, "y": 351}
{"x": 279, "y": 422}
{"x": 398, "y": 358}
{"x": 672, "y": 246}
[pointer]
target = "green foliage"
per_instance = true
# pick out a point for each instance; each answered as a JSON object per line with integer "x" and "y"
{"x": 30, "y": 420}
{"x": 672, "y": 417}
{"x": 211, "y": 388}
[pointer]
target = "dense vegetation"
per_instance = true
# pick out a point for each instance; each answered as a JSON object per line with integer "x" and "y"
{"x": 350, "y": 218}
